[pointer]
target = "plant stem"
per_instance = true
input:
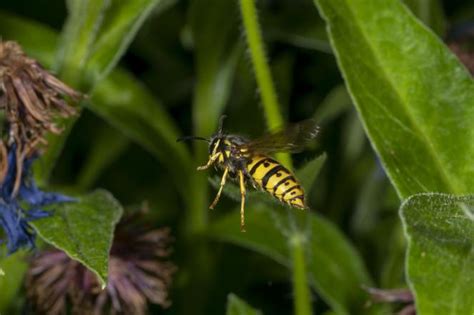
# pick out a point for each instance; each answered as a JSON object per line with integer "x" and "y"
{"x": 262, "y": 70}
{"x": 302, "y": 293}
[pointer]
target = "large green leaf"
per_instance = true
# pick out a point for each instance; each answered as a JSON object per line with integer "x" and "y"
{"x": 413, "y": 95}
{"x": 237, "y": 306}
{"x": 440, "y": 260}
{"x": 84, "y": 230}
{"x": 334, "y": 267}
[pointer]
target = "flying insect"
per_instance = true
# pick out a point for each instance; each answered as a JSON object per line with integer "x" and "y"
{"x": 248, "y": 161}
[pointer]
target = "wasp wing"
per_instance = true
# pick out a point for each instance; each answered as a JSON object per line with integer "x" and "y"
{"x": 290, "y": 139}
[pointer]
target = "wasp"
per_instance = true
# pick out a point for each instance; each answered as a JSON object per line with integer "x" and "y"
{"x": 249, "y": 161}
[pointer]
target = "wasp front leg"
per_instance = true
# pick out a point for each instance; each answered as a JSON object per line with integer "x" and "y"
{"x": 218, "y": 196}
{"x": 242, "y": 201}
{"x": 211, "y": 161}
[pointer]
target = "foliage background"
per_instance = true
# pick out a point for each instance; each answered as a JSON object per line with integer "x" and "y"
{"x": 187, "y": 64}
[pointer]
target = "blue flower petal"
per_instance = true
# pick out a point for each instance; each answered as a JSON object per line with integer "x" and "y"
{"x": 15, "y": 227}
{"x": 37, "y": 213}
{"x": 37, "y": 198}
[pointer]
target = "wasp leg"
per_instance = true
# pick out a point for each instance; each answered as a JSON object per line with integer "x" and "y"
{"x": 242, "y": 202}
{"x": 211, "y": 161}
{"x": 214, "y": 203}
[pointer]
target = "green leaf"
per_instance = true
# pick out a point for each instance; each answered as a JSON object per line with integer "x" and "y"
{"x": 78, "y": 36}
{"x": 121, "y": 23}
{"x": 413, "y": 95}
{"x": 309, "y": 172}
{"x": 217, "y": 48}
{"x": 237, "y": 306}
{"x": 440, "y": 259}
{"x": 84, "y": 230}
{"x": 13, "y": 267}
{"x": 336, "y": 102}
{"x": 40, "y": 46}
{"x": 334, "y": 267}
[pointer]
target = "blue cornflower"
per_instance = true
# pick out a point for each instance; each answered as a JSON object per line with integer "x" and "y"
{"x": 16, "y": 210}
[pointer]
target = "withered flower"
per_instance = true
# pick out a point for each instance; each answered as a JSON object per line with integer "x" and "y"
{"x": 139, "y": 273}
{"x": 395, "y": 296}
{"x": 31, "y": 99}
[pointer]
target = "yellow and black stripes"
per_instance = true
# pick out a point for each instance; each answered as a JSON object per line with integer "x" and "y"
{"x": 273, "y": 177}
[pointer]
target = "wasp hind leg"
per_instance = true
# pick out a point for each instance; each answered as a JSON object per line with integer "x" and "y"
{"x": 211, "y": 161}
{"x": 218, "y": 196}
{"x": 242, "y": 202}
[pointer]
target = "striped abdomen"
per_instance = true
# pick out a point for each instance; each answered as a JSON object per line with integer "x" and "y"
{"x": 277, "y": 180}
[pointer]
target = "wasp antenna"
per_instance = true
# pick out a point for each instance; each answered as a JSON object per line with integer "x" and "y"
{"x": 186, "y": 138}
{"x": 221, "y": 123}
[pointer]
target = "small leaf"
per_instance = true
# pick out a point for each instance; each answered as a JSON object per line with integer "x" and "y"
{"x": 334, "y": 267}
{"x": 413, "y": 95}
{"x": 237, "y": 306}
{"x": 440, "y": 258}
{"x": 84, "y": 229}
{"x": 308, "y": 173}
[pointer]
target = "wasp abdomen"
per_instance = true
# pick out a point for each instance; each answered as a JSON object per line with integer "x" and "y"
{"x": 277, "y": 180}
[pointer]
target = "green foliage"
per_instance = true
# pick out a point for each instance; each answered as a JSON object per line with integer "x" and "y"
{"x": 267, "y": 233}
{"x": 401, "y": 76}
{"x": 440, "y": 257}
{"x": 84, "y": 230}
{"x": 236, "y": 306}
{"x": 184, "y": 67}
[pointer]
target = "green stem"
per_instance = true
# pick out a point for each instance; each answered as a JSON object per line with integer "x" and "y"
{"x": 262, "y": 70}
{"x": 302, "y": 292}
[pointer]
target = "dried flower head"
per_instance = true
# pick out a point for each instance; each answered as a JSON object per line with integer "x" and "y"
{"x": 31, "y": 99}
{"x": 139, "y": 273}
